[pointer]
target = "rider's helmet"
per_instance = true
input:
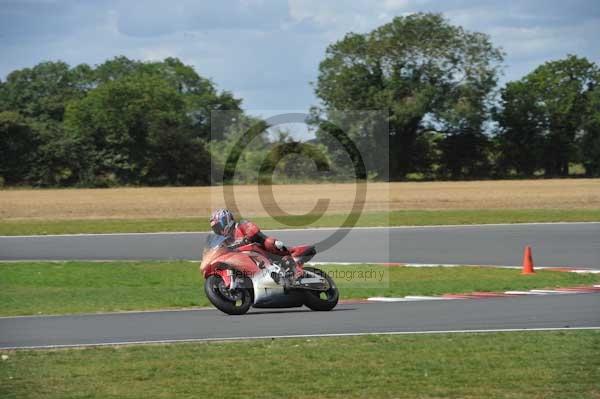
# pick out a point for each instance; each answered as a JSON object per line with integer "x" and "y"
{"x": 222, "y": 222}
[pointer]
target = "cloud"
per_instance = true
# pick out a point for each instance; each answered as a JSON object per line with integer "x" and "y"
{"x": 154, "y": 19}
{"x": 25, "y": 20}
{"x": 268, "y": 51}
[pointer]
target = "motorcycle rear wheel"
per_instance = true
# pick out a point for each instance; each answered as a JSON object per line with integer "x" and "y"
{"x": 322, "y": 300}
{"x": 214, "y": 288}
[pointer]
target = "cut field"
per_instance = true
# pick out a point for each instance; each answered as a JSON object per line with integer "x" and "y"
{"x": 141, "y": 210}
{"x": 185, "y": 202}
{"x": 498, "y": 365}
{"x": 87, "y": 287}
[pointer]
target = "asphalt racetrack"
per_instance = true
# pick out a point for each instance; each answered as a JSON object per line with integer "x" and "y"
{"x": 558, "y": 244}
{"x": 566, "y": 245}
{"x": 528, "y": 312}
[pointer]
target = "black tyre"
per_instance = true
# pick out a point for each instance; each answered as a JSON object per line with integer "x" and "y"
{"x": 322, "y": 300}
{"x": 232, "y": 302}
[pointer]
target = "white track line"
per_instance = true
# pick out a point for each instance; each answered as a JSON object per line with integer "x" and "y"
{"x": 425, "y": 265}
{"x": 413, "y": 298}
{"x": 551, "y": 292}
{"x": 521, "y": 293}
{"x": 408, "y": 298}
{"x": 576, "y": 291}
{"x": 425, "y": 298}
{"x": 357, "y": 334}
{"x": 430, "y": 265}
{"x": 312, "y": 229}
{"x": 583, "y": 271}
{"x": 388, "y": 299}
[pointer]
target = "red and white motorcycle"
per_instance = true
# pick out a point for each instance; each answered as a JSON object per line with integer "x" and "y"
{"x": 240, "y": 275}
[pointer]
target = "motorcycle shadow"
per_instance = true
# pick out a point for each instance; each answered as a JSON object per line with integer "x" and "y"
{"x": 285, "y": 311}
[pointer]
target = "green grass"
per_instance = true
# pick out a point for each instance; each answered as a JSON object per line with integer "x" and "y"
{"x": 395, "y": 218}
{"x": 74, "y": 287}
{"x": 499, "y": 365}
{"x": 402, "y": 281}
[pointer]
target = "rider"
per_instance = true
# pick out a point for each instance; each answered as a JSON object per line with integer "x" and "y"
{"x": 223, "y": 223}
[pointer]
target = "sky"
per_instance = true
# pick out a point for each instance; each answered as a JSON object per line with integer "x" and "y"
{"x": 267, "y": 51}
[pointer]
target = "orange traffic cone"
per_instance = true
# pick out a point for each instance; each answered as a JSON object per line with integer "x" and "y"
{"x": 527, "y": 261}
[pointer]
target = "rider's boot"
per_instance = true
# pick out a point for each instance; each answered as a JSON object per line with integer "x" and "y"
{"x": 298, "y": 271}
{"x": 290, "y": 271}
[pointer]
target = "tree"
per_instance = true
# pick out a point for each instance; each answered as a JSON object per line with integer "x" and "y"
{"x": 136, "y": 131}
{"x": 39, "y": 96}
{"x": 3, "y": 100}
{"x": 200, "y": 95}
{"x": 560, "y": 91}
{"x": 590, "y": 141}
{"x": 544, "y": 114}
{"x": 465, "y": 154}
{"x": 238, "y": 146}
{"x": 57, "y": 158}
{"x": 562, "y": 88}
{"x": 177, "y": 157}
{"x": 17, "y": 147}
{"x": 464, "y": 147}
{"x": 42, "y": 92}
{"x": 290, "y": 159}
{"x": 148, "y": 123}
{"x": 520, "y": 137}
{"x": 420, "y": 68}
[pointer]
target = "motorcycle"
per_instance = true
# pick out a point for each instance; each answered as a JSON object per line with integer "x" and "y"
{"x": 239, "y": 275}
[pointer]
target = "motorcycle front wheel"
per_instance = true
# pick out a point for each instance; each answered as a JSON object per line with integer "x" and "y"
{"x": 232, "y": 302}
{"x": 321, "y": 300}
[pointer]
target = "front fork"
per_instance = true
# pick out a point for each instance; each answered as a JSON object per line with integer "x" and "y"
{"x": 227, "y": 276}
{"x": 230, "y": 280}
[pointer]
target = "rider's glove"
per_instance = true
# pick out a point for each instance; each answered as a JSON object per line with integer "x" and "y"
{"x": 279, "y": 245}
{"x": 288, "y": 264}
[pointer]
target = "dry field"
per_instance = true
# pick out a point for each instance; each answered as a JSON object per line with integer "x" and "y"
{"x": 136, "y": 203}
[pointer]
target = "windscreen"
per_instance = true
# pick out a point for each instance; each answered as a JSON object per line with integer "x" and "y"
{"x": 214, "y": 241}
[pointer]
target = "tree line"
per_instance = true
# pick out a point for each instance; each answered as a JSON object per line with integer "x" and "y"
{"x": 447, "y": 116}
{"x": 127, "y": 122}
{"x": 122, "y": 122}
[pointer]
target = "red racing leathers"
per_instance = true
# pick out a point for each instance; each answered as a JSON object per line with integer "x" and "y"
{"x": 291, "y": 259}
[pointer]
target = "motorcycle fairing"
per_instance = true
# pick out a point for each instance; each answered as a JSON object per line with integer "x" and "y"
{"x": 253, "y": 262}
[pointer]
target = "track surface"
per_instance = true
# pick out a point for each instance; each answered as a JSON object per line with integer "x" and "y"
{"x": 555, "y": 311}
{"x": 567, "y": 245}
{"x": 561, "y": 244}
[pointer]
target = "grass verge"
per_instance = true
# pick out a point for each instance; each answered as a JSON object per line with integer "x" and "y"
{"x": 370, "y": 219}
{"x": 28, "y": 288}
{"x": 498, "y": 365}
